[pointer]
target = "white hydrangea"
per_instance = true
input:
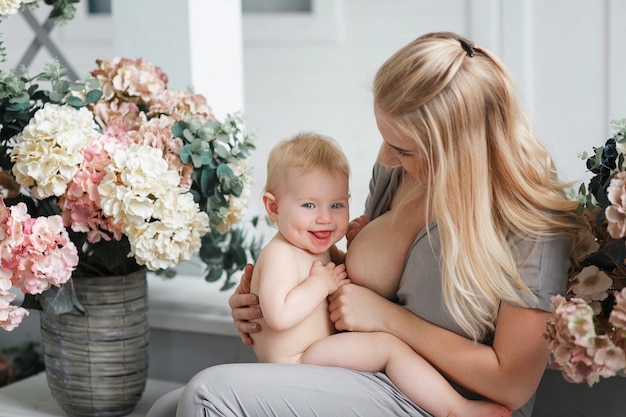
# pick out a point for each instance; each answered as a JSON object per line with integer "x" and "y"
{"x": 49, "y": 149}
{"x": 134, "y": 179}
{"x": 163, "y": 223}
{"x": 10, "y": 7}
{"x": 174, "y": 234}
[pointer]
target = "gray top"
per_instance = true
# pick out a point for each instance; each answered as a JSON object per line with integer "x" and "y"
{"x": 543, "y": 264}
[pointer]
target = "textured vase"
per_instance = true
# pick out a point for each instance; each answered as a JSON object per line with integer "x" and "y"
{"x": 97, "y": 362}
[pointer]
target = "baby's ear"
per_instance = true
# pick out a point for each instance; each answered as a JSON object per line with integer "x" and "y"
{"x": 271, "y": 206}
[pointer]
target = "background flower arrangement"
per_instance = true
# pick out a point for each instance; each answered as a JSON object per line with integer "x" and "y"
{"x": 122, "y": 173}
{"x": 587, "y": 330}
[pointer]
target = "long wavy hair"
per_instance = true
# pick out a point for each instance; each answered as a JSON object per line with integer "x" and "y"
{"x": 489, "y": 178}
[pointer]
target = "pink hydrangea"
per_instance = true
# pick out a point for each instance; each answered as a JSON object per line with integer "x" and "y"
{"x": 46, "y": 256}
{"x": 35, "y": 253}
{"x": 616, "y": 212}
{"x": 157, "y": 133}
{"x": 10, "y": 316}
{"x": 618, "y": 318}
{"x": 116, "y": 115}
{"x": 80, "y": 205}
{"x": 591, "y": 284}
{"x": 136, "y": 80}
{"x": 576, "y": 349}
{"x": 181, "y": 104}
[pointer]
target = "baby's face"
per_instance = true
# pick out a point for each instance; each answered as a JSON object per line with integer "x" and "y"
{"x": 313, "y": 210}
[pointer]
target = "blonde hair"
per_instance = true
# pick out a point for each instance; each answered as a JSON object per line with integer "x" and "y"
{"x": 305, "y": 150}
{"x": 488, "y": 176}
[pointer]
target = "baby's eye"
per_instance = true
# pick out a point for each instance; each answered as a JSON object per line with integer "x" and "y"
{"x": 337, "y": 206}
{"x": 308, "y": 205}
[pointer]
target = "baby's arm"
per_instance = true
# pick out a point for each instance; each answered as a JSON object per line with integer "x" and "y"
{"x": 285, "y": 301}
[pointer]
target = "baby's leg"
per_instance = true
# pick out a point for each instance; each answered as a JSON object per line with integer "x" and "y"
{"x": 420, "y": 381}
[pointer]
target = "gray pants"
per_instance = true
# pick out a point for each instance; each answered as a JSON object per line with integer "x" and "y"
{"x": 256, "y": 390}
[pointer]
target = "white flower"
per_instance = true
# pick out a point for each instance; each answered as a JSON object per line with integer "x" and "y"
{"x": 173, "y": 235}
{"x": 49, "y": 149}
{"x": 136, "y": 177}
{"x": 9, "y": 7}
{"x": 237, "y": 206}
{"x": 163, "y": 223}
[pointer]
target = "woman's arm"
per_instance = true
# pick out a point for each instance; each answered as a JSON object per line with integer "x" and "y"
{"x": 507, "y": 372}
{"x": 244, "y": 307}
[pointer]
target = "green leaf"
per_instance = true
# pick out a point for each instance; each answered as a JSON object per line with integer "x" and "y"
{"x": 177, "y": 131}
{"x": 224, "y": 172}
{"x": 213, "y": 275}
{"x": 93, "y": 96}
{"x": 57, "y": 300}
{"x": 22, "y": 98}
{"x": 62, "y": 86}
{"x": 56, "y": 97}
{"x": 92, "y": 83}
{"x": 185, "y": 153}
{"x": 75, "y": 102}
{"x": 188, "y": 135}
{"x": 77, "y": 86}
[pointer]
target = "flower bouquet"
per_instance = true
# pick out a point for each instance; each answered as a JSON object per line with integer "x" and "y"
{"x": 110, "y": 174}
{"x": 587, "y": 330}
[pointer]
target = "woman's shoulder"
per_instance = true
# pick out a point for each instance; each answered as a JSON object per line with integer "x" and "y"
{"x": 544, "y": 264}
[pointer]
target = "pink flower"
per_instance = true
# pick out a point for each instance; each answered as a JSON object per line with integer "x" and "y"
{"x": 180, "y": 104}
{"x": 138, "y": 81}
{"x": 586, "y": 244}
{"x": 616, "y": 212}
{"x": 157, "y": 133}
{"x": 36, "y": 252}
{"x": 46, "y": 256}
{"x": 10, "y": 316}
{"x": 122, "y": 116}
{"x": 80, "y": 205}
{"x": 618, "y": 318}
{"x": 591, "y": 284}
{"x": 576, "y": 349}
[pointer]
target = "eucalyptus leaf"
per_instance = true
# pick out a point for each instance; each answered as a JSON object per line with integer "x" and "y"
{"x": 56, "y": 97}
{"x": 77, "y": 86}
{"x": 177, "y": 129}
{"x": 62, "y": 86}
{"x": 213, "y": 275}
{"x": 188, "y": 135}
{"x": 185, "y": 154}
{"x": 93, "y": 96}
{"x": 75, "y": 102}
{"x": 22, "y": 98}
{"x": 57, "y": 300}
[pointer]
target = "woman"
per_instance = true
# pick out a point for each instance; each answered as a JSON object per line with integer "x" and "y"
{"x": 469, "y": 237}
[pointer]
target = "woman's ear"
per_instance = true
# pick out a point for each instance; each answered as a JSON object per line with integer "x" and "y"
{"x": 271, "y": 206}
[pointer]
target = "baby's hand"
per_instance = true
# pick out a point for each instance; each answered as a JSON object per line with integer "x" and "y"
{"x": 355, "y": 227}
{"x": 335, "y": 276}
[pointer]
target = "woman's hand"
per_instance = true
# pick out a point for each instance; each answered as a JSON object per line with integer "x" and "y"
{"x": 355, "y": 227}
{"x": 244, "y": 307}
{"x": 356, "y": 308}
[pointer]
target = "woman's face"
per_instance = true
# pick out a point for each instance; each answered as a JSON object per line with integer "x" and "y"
{"x": 399, "y": 149}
